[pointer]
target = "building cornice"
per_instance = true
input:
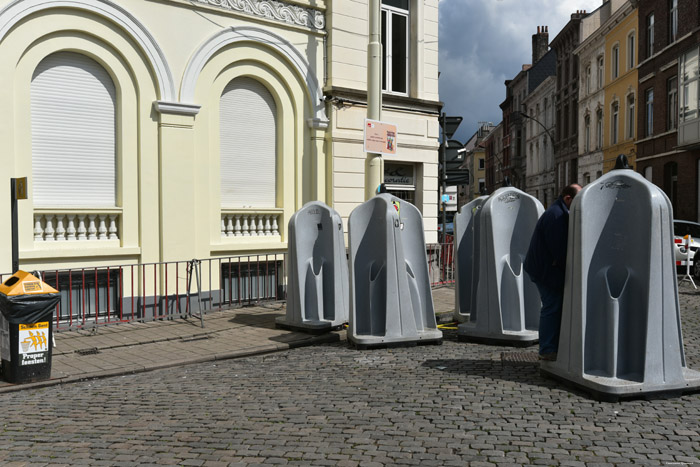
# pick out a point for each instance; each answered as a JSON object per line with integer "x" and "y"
{"x": 616, "y": 18}
{"x": 345, "y": 96}
{"x": 274, "y": 10}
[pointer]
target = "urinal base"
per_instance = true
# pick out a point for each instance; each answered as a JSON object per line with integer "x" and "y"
{"x": 309, "y": 327}
{"x": 469, "y": 333}
{"x": 383, "y": 342}
{"x": 613, "y": 390}
{"x": 460, "y": 317}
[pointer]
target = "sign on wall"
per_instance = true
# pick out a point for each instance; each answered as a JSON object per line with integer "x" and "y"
{"x": 399, "y": 174}
{"x": 380, "y": 137}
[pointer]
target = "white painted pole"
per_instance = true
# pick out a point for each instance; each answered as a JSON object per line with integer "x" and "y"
{"x": 374, "y": 163}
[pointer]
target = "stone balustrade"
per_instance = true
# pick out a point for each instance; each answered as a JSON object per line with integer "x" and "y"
{"x": 76, "y": 225}
{"x": 250, "y": 223}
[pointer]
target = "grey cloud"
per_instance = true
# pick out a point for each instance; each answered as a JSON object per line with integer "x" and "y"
{"x": 485, "y": 42}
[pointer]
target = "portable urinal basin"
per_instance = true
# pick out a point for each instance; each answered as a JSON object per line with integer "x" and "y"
{"x": 621, "y": 325}
{"x": 317, "y": 292}
{"x": 390, "y": 297}
{"x": 467, "y": 257}
{"x": 508, "y": 304}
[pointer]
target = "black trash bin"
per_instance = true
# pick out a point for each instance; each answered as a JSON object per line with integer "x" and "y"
{"x": 26, "y": 309}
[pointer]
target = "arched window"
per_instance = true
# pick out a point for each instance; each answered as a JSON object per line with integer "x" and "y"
{"x": 248, "y": 145}
{"x": 73, "y": 108}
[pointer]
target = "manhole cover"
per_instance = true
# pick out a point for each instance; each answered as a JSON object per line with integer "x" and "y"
{"x": 519, "y": 357}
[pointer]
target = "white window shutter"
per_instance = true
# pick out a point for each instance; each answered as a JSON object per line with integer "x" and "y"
{"x": 73, "y": 132}
{"x": 248, "y": 136}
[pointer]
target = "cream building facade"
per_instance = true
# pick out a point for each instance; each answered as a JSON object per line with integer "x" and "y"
{"x": 410, "y": 100}
{"x": 155, "y": 131}
{"x": 540, "y": 172}
{"x": 591, "y": 95}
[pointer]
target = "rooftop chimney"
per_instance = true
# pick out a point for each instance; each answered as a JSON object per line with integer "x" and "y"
{"x": 540, "y": 43}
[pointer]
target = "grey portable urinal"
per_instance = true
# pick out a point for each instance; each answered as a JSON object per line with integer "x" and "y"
{"x": 317, "y": 294}
{"x": 621, "y": 327}
{"x": 467, "y": 257}
{"x": 508, "y": 304}
{"x": 390, "y": 297}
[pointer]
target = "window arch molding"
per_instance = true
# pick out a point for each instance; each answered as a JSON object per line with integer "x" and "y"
{"x": 259, "y": 37}
{"x": 131, "y": 100}
{"x": 18, "y": 10}
{"x": 293, "y": 143}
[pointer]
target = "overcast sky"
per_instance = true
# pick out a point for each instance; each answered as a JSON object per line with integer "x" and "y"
{"x": 485, "y": 42}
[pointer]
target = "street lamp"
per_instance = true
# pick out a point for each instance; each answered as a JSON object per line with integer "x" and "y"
{"x": 540, "y": 124}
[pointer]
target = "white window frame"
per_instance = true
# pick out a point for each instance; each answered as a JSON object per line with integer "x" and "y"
{"x": 688, "y": 77}
{"x": 588, "y": 79}
{"x": 615, "y": 61}
{"x": 601, "y": 71}
{"x": 649, "y": 111}
{"x": 672, "y": 104}
{"x": 631, "y": 50}
{"x": 673, "y": 21}
{"x": 631, "y": 105}
{"x": 387, "y": 47}
{"x": 650, "y": 35}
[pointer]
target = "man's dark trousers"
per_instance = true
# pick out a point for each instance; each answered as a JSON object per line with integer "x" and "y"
{"x": 550, "y": 317}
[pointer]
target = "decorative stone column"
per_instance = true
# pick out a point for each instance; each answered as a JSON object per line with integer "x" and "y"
{"x": 177, "y": 180}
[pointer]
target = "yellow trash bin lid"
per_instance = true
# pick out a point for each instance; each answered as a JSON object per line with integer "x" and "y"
{"x": 23, "y": 283}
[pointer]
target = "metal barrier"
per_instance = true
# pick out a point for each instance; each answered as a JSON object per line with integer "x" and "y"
{"x": 441, "y": 263}
{"x": 106, "y": 295}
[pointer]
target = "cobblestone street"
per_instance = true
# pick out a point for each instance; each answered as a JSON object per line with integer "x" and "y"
{"x": 454, "y": 404}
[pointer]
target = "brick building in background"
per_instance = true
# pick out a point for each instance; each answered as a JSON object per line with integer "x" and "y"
{"x": 566, "y": 102}
{"x": 668, "y": 128}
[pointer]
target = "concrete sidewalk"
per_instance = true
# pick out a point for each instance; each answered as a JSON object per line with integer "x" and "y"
{"x": 138, "y": 347}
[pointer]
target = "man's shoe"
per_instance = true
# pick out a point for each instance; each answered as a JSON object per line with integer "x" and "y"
{"x": 548, "y": 357}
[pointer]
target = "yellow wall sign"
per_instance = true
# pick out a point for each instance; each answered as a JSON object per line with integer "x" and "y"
{"x": 380, "y": 137}
{"x": 21, "y": 188}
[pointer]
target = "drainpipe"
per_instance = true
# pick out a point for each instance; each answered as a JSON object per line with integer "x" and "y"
{"x": 374, "y": 163}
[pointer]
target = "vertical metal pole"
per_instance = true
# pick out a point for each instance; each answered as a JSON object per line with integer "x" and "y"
{"x": 443, "y": 184}
{"x": 444, "y": 177}
{"x": 373, "y": 166}
{"x": 15, "y": 235}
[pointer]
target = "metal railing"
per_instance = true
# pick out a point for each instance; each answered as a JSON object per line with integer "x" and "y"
{"x": 106, "y": 295}
{"x": 441, "y": 263}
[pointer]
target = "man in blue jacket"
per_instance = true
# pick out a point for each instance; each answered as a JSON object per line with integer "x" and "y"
{"x": 545, "y": 263}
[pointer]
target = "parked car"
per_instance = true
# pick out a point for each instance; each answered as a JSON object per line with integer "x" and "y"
{"x": 680, "y": 230}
